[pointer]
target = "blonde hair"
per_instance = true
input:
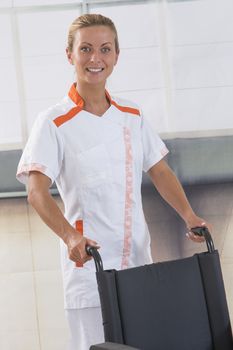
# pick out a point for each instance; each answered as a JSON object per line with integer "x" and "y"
{"x": 90, "y": 20}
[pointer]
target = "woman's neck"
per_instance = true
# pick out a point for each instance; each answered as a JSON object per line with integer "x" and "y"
{"x": 95, "y": 100}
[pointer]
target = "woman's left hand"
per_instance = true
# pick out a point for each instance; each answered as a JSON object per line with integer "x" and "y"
{"x": 196, "y": 221}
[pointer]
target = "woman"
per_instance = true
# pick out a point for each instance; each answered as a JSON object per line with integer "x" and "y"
{"x": 95, "y": 147}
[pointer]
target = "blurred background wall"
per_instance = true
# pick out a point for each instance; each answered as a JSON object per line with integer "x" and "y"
{"x": 177, "y": 55}
{"x": 176, "y": 63}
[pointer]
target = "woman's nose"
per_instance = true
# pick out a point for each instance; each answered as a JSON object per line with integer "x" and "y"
{"x": 95, "y": 57}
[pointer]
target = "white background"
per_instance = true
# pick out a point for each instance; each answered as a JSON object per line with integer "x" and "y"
{"x": 175, "y": 62}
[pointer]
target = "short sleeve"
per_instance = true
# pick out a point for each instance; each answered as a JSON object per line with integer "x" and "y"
{"x": 43, "y": 151}
{"x": 154, "y": 149}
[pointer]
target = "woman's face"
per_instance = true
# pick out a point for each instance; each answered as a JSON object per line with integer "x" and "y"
{"x": 94, "y": 54}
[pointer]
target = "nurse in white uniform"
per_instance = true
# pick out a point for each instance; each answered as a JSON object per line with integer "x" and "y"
{"x": 95, "y": 147}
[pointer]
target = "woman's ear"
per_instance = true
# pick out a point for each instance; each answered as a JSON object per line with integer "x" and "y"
{"x": 117, "y": 55}
{"x": 69, "y": 56}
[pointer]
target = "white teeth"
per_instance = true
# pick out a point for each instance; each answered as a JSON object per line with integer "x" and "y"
{"x": 95, "y": 70}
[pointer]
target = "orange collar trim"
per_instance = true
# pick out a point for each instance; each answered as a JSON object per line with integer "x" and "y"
{"x": 75, "y": 97}
{"x": 124, "y": 109}
{"x": 78, "y": 100}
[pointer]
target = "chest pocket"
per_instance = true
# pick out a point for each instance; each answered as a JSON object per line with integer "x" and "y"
{"x": 94, "y": 166}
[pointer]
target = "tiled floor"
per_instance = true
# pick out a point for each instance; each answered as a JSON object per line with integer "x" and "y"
{"x": 31, "y": 299}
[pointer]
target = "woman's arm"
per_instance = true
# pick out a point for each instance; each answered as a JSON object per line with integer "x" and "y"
{"x": 40, "y": 198}
{"x": 171, "y": 190}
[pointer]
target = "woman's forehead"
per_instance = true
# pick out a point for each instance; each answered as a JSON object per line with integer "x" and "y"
{"x": 95, "y": 34}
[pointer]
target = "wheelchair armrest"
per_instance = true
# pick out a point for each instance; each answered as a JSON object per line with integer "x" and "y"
{"x": 111, "y": 346}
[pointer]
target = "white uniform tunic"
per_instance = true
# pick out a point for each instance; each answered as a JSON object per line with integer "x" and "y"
{"x": 97, "y": 164}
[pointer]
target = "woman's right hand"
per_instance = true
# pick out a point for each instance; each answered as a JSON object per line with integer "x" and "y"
{"x": 76, "y": 244}
{"x": 40, "y": 198}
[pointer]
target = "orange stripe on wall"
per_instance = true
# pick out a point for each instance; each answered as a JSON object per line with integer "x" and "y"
{"x": 126, "y": 109}
{"x": 79, "y": 228}
{"x": 65, "y": 117}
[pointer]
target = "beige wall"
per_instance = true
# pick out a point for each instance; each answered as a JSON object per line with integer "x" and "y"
{"x": 31, "y": 299}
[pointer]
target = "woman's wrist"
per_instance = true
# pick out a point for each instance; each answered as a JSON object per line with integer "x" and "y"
{"x": 72, "y": 235}
{"x": 189, "y": 218}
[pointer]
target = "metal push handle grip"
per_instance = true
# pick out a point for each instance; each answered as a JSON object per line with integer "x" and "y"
{"x": 199, "y": 231}
{"x": 203, "y": 231}
{"x": 96, "y": 256}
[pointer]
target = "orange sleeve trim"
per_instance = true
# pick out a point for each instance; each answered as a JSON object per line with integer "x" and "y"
{"x": 126, "y": 109}
{"x": 26, "y": 168}
{"x": 79, "y": 228}
{"x": 66, "y": 117}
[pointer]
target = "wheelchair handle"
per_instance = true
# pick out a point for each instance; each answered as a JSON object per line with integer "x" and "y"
{"x": 203, "y": 231}
{"x": 199, "y": 231}
{"x": 97, "y": 258}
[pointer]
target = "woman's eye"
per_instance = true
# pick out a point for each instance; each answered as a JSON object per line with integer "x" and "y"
{"x": 85, "y": 49}
{"x": 105, "y": 49}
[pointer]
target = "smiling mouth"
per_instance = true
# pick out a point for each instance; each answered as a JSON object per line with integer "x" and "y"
{"x": 94, "y": 70}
